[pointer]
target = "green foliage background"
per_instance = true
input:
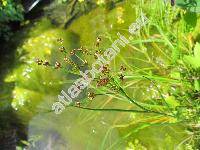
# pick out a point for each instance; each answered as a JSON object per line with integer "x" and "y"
{"x": 9, "y": 11}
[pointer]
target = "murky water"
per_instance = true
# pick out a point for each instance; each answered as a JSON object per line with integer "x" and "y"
{"x": 37, "y": 88}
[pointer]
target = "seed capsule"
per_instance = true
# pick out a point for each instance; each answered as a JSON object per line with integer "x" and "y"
{"x": 96, "y": 54}
{"x": 62, "y": 49}
{"x": 123, "y": 68}
{"x": 72, "y": 52}
{"x": 98, "y": 41}
{"x": 91, "y": 95}
{"x": 103, "y": 82}
{"x": 60, "y": 40}
{"x": 105, "y": 70}
{"x": 66, "y": 60}
{"x": 57, "y": 65}
{"x": 121, "y": 77}
{"x": 39, "y": 62}
{"x": 46, "y": 63}
{"x": 79, "y": 87}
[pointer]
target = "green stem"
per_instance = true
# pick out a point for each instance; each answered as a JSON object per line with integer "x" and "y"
{"x": 123, "y": 110}
{"x": 135, "y": 102}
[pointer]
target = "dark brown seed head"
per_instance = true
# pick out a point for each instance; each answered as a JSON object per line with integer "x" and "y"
{"x": 39, "y": 61}
{"x": 85, "y": 51}
{"x": 96, "y": 54}
{"x": 46, "y": 63}
{"x": 105, "y": 70}
{"x": 57, "y": 65}
{"x": 79, "y": 87}
{"x": 72, "y": 52}
{"x": 98, "y": 39}
{"x": 91, "y": 95}
{"x": 60, "y": 40}
{"x": 121, "y": 77}
{"x": 103, "y": 82}
{"x": 66, "y": 59}
{"x": 62, "y": 49}
{"x": 123, "y": 68}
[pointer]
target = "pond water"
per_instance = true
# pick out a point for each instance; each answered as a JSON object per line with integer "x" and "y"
{"x": 37, "y": 88}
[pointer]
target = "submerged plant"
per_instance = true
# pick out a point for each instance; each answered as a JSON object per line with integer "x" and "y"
{"x": 154, "y": 80}
{"x": 170, "y": 76}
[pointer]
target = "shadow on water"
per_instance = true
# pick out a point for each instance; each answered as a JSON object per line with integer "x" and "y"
{"x": 10, "y": 124}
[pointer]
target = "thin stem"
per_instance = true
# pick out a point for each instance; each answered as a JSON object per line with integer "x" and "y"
{"x": 162, "y": 97}
{"x": 122, "y": 110}
{"x": 135, "y": 102}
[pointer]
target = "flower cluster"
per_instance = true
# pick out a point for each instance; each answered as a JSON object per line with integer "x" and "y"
{"x": 99, "y": 67}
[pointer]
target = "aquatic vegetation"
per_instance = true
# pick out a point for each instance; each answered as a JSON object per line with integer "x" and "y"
{"x": 102, "y": 59}
{"x": 171, "y": 87}
{"x": 146, "y": 98}
{"x": 135, "y": 146}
